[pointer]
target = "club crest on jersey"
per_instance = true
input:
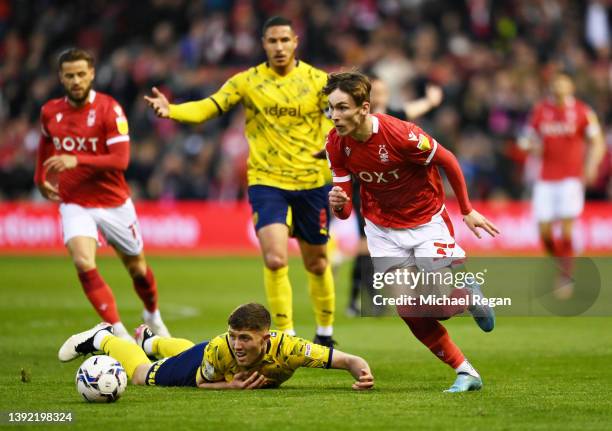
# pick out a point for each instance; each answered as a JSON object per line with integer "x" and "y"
{"x": 58, "y": 117}
{"x": 383, "y": 153}
{"x": 91, "y": 118}
{"x": 347, "y": 151}
{"x": 424, "y": 144}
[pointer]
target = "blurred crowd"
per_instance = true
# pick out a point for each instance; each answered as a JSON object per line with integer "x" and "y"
{"x": 492, "y": 58}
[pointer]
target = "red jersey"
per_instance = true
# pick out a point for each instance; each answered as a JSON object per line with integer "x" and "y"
{"x": 89, "y": 132}
{"x": 399, "y": 186}
{"x": 562, "y": 130}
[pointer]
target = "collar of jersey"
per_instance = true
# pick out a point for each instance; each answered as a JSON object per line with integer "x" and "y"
{"x": 276, "y": 75}
{"x": 375, "y": 124}
{"x": 92, "y": 97}
{"x": 569, "y": 102}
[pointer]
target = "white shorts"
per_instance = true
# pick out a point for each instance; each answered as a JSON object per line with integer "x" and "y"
{"x": 118, "y": 225}
{"x": 430, "y": 246}
{"x": 556, "y": 200}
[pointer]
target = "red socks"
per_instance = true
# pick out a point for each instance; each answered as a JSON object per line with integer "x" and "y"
{"x": 431, "y": 333}
{"x": 146, "y": 288}
{"x": 100, "y": 295}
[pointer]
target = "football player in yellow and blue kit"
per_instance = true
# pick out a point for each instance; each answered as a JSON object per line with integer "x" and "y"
{"x": 247, "y": 356}
{"x": 285, "y": 126}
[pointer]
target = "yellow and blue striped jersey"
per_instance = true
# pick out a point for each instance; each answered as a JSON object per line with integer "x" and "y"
{"x": 284, "y": 355}
{"x": 285, "y": 122}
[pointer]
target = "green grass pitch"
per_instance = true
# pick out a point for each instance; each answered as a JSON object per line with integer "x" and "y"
{"x": 540, "y": 373}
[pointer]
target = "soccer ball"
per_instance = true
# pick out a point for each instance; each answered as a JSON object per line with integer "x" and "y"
{"x": 101, "y": 379}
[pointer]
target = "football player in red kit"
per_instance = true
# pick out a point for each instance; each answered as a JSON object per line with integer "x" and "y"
{"x": 556, "y": 132}
{"x": 85, "y": 145}
{"x": 402, "y": 201}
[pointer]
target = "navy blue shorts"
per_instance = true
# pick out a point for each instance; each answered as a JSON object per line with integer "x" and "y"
{"x": 179, "y": 370}
{"x": 306, "y": 212}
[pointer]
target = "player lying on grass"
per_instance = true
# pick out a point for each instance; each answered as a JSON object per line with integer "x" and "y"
{"x": 247, "y": 356}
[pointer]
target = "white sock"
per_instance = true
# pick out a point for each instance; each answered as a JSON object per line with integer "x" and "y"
{"x": 325, "y": 331}
{"x": 147, "y": 315}
{"x": 100, "y": 335}
{"x": 466, "y": 367}
{"x": 147, "y": 346}
{"x": 119, "y": 330}
{"x": 290, "y": 332}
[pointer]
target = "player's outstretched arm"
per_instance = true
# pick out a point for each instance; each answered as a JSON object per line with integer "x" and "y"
{"x": 242, "y": 380}
{"x": 472, "y": 218}
{"x": 159, "y": 103}
{"x": 357, "y": 366}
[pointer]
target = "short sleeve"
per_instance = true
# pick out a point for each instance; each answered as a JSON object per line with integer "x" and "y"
{"x": 116, "y": 124}
{"x": 303, "y": 353}
{"x": 212, "y": 368}
{"x": 336, "y": 160}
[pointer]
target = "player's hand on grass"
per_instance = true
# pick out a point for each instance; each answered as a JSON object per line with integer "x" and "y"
{"x": 365, "y": 381}
{"x": 60, "y": 163}
{"x": 474, "y": 220}
{"x": 246, "y": 380}
{"x": 338, "y": 198}
{"x": 49, "y": 191}
{"x": 159, "y": 103}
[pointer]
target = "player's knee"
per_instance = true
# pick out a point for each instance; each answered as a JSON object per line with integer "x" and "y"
{"x": 274, "y": 261}
{"x": 83, "y": 263}
{"x": 317, "y": 265}
{"x": 137, "y": 269}
{"x": 545, "y": 231}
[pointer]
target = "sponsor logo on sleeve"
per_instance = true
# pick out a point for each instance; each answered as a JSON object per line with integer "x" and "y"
{"x": 424, "y": 144}
{"x": 308, "y": 350}
{"x": 122, "y": 125}
{"x": 209, "y": 371}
